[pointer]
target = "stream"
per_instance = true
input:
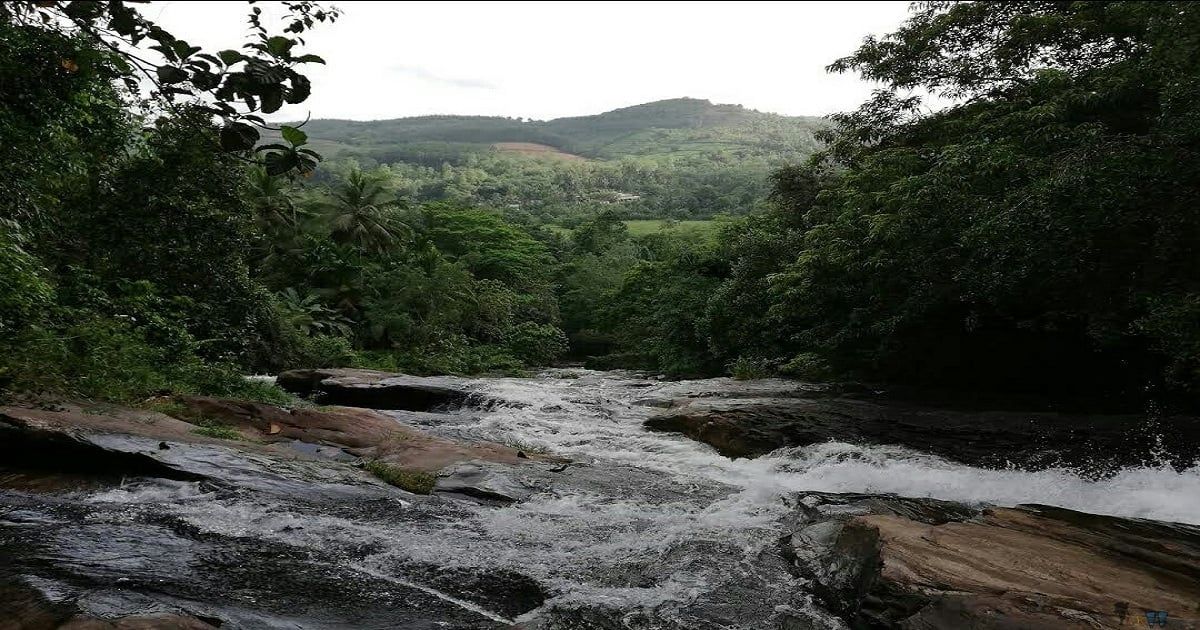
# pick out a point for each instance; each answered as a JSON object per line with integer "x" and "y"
{"x": 639, "y": 530}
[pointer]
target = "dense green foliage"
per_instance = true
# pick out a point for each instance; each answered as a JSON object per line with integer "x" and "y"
{"x": 1037, "y": 234}
{"x": 431, "y": 288}
{"x": 1043, "y": 230}
{"x": 124, "y": 237}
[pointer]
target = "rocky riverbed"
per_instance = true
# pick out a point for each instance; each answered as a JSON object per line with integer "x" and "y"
{"x": 582, "y": 499}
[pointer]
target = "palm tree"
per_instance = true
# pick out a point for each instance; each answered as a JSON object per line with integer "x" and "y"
{"x": 359, "y": 213}
{"x": 308, "y": 315}
{"x": 273, "y": 206}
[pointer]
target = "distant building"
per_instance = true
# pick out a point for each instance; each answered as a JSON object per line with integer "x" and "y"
{"x": 615, "y": 196}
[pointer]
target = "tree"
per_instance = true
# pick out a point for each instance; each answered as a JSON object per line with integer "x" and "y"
{"x": 274, "y": 208}
{"x": 1037, "y": 233}
{"x": 360, "y": 213}
{"x": 235, "y": 86}
{"x": 124, "y": 228}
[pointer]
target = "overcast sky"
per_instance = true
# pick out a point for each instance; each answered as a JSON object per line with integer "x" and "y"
{"x": 550, "y": 59}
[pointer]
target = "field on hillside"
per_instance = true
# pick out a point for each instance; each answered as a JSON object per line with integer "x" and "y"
{"x": 643, "y": 227}
{"x": 533, "y": 149}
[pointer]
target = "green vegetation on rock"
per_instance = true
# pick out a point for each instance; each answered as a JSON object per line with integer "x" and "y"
{"x": 414, "y": 481}
{"x": 212, "y": 429}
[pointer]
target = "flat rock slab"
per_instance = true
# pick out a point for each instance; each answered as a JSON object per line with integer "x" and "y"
{"x": 378, "y": 390}
{"x": 752, "y": 427}
{"x": 109, "y": 564}
{"x": 109, "y": 442}
{"x": 919, "y": 563}
{"x": 118, "y": 441}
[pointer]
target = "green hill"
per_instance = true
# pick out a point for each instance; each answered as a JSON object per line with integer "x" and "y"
{"x": 669, "y": 127}
{"x": 682, "y": 159}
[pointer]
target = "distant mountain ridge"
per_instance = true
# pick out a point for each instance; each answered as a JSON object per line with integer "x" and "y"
{"x": 669, "y": 127}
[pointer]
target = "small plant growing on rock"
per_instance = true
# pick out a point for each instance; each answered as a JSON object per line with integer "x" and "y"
{"x": 415, "y": 481}
{"x": 746, "y": 368}
{"x": 208, "y": 428}
{"x": 169, "y": 407}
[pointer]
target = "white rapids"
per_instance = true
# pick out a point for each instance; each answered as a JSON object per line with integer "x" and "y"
{"x": 649, "y": 521}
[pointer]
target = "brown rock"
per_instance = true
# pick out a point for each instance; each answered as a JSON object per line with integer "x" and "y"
{"x": 90, "y": 440}
{"x": 1004, "y": 568}
{"x": 361, "y": 432}
{"x": 340, "y": 426}
{"x": 139, "y": 622}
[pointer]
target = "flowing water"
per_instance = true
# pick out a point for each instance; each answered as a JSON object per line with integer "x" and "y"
{"x": 641, "y": 530}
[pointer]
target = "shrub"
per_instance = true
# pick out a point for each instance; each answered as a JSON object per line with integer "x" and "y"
{"x": 111, "y": 359}
{"x": 536, "y": 344}
{"x": 323, "y": 351}
{"x": 807, "y": 365}
{"x": 23, "y": 292}
{"x": 746, "y": 368}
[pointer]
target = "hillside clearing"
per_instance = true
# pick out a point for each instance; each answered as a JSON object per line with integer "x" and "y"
{"x": 533, "y": 149}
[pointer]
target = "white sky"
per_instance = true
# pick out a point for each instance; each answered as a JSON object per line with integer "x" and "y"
{"x": 550, "y": 59}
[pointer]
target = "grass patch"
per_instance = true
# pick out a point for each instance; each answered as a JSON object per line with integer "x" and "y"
{"x": 745, "y": 369}
{"x": 643, "y": 227}
{"x": 211, "y": 429}
{"x": 263, "y": 392}
{"x": 415, "y": 481}
{"x": 167, "y": 407}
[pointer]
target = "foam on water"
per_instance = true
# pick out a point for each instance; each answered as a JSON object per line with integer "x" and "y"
{"x": 644, "y": 504}
{"x": 1155, "y": 492}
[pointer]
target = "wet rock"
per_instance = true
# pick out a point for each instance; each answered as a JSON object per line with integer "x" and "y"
{"x": 506, "y": 593}
{"x": 376, "y": 390}
{"x": 359, "y": 432}
{"x": 297, "y": 452}
{"x": 657, "y": 403}
{"x": 62, "y": 441}
{"x": 89, "y": 571}
{"x": 755, "y": 426}
{"x": 483, "y": 481}
{"x": 884, "y": 562}
{"x": 24, "y": 607}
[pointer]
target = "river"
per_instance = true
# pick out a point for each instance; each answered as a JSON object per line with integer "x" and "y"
{"x": 640, "y": 530}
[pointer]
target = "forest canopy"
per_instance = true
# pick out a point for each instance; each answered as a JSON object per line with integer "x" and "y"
{"x": 1039, "y": 233}
{"x": 1034, "y": 232}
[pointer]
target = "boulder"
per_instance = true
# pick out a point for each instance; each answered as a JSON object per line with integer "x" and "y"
{"x": 360, "y": 432}
{"x": 375, "y": 390}
{"x": 489, "y": 483}
{"x": 346, "y": 427}
{"x": 885, "y": 562}
{"x": 71, "y": 438}
{"x": 752, "y": 427}
{"x": 24, "y": 608}
{"x": 113, "y": 442}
